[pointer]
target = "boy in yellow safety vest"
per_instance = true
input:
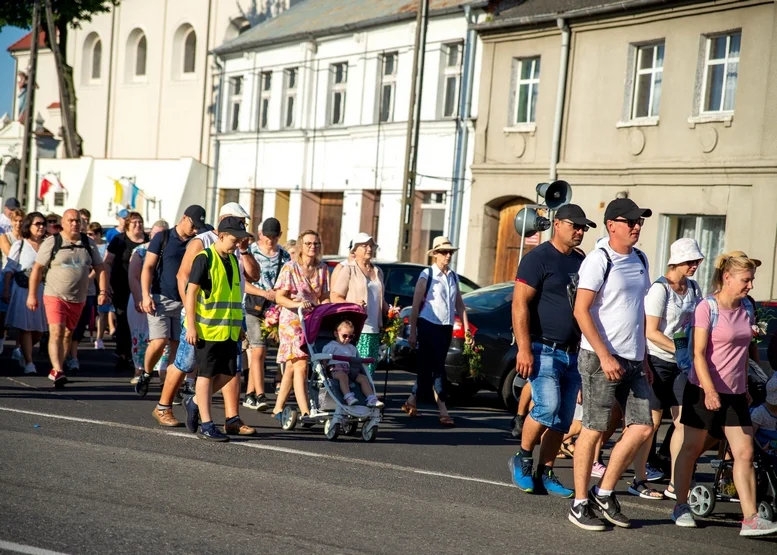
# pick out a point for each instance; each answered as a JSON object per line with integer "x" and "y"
{"x": 214, "y": 322}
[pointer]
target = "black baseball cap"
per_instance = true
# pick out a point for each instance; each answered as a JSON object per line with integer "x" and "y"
{"x": 271, "y": 227}
{"x": 234, "y": 226}
{"x": 574, "y": 214}
{"x": 12, "y": 203}
{"x": 196, "y": 214}
{"x": 625, "y": 208}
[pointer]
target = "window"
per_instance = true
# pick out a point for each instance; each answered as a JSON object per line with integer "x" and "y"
{"x": 228, "y": 195}
{"x": 451, "y": 79}
{"x": 290, "y": 77}
{"x": 140, "y": 57}
{"x": 97, "y": 59}
{"x": 527, "y": 86}
{"x": 432, "y": 217}
{"x": 647, "y": 81}
{"x": 339, "y": 81}
{"x": 189, "y": 51}
{"x": 265, "y": 87}
{"x": 386, "y": 91}
{"x": 235, "y": 99}
{"x": 709, "y": 232}
{"x": 59, "y": 199}
{"x": 721, "y": 70}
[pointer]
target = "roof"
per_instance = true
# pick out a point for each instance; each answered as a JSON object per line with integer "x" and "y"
{"x": 25, "y": 42}
{"x": 53, "y": 106}
{"x": 317, "y": 18}
{"x": 527, "y": 12}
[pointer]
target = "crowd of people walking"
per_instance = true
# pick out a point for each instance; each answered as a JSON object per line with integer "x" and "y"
{"x": 600, "y": 345}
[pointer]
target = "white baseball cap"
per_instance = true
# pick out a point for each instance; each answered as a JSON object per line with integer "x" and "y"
{"x": 233, "y": 209}
{"x": 684, "y": 250}
{"x": 360, "y": 239}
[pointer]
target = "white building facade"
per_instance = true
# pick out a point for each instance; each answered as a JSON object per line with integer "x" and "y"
{"x": 314, "y": 115}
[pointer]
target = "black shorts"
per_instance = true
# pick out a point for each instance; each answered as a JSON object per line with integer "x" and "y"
{"x": 733, "y": 411}
{"x": 668, "y": 382}
{"x": 216, "y": 358}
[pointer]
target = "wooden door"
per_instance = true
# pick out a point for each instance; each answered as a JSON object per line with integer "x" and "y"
{"x": 330, "y": 217}
{"x": 508, "y": 243}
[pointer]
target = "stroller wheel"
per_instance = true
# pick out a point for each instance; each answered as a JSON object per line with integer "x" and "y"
{"x": 288, "y": 418}
{"x": 701, "y": 500}
{"x": 331, "y": 430}
{"x": 369, "y": 431}
{"x": 766, "y": 511}
{"x": 350, "y": 429}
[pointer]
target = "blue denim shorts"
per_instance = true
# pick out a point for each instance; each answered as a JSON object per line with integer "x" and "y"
{"x": 555, "y": 382}
{"x": 185, "y": 357}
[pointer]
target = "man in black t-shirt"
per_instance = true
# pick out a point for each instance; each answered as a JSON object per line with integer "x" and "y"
{"x": 548, "y": 337}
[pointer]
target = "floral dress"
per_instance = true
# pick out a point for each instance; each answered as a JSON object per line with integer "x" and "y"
{"x": 300, "y": 288}
{"x": 138, "y": 324}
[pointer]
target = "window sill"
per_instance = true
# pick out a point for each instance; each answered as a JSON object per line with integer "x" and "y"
{"x": 529, "y": 128}
{"x": 640, "y": 122}
{"x": 726, "y": 118}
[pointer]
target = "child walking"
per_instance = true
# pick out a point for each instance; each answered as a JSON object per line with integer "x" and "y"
{"x": 343, "y": 372}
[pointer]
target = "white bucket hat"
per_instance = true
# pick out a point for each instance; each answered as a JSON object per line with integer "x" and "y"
{"x": 233, "y": 209}
{"x": 360, "y": 239}
{"x": 684, "y": 250}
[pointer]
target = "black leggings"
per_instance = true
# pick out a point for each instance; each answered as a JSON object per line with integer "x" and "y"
{"x": 433, "y": 343}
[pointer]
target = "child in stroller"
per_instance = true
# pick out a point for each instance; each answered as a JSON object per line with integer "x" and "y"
{"x": 343, "y": 372}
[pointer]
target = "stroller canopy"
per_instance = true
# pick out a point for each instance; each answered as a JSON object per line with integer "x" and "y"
{"x": 328, "y": 317}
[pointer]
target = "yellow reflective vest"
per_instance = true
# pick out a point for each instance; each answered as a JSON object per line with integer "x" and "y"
{"x": 219, "y": 313}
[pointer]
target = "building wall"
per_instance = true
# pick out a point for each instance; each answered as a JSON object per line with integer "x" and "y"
{"x": 679, "y": 164}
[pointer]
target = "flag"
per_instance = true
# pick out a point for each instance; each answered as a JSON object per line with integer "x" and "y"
{"x": 118, "y": 192}
{"x": 126, "y": 193}
{"x": 45, "y": 185}
{"x": 50, "y": 183}
{"x": 135, "y": 191}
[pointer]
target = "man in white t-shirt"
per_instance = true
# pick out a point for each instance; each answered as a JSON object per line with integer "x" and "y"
{"x": 610, "y": 310}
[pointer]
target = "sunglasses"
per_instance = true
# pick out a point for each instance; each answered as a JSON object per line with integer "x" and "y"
{"x": 346, "y": 336}
{"x": 632, "y": 223}
{"x": 309, "y": 244}
{"x": 577, "y": 227}
{"x": 51, "y": 221}
{"x": 38, "y": 224}
{"x": 694, "y": 262}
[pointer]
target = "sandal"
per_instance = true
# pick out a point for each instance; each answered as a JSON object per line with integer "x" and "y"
{"x": 670, "y": 494}
{"x": 641, "y": 489}
{"x": 567, "y": 450}
{"x": 446, "y": 421}
{"x": 411, "y": 410}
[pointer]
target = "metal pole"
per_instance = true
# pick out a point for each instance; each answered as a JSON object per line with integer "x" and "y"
{"x": 523, "y": 238}
{"x": 24, "y": 167}
{"x": 413, "y": 127}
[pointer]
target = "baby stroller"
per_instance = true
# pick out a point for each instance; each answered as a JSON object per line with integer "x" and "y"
{"x": 327, "y": 406}
{"x": 702, "y": 497}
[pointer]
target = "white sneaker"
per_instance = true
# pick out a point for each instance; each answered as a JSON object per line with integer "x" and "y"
{"x": 30, "y": 369}
{"x": 350, "y": 399}
{"x": 374, "y": 403}
{"x": 17, "y": 354}
{"x": 758, "y": 526}
{"x": 99, "y": 345}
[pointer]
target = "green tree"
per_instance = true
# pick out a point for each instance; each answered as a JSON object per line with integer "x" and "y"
{"x": 67, "y": 14}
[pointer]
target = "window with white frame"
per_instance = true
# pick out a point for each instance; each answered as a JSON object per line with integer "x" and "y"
{"x": 648, "y": 77}
{"x": 189, "y": 51}
{"x": 235, "y": 100}
{"x": 265, "y": 88}
{"x": 338, "y": 82}
{"x": 708, "y": 231}
{"x": 140, "y": 57}
{"x": 387, "y": 88}
{"x": 721, "y": 69}
{"x": 451, "y": 79}
{"x": 432, "y": 217}
{"x": 290, "y": 76}
{"x": 527, "y": 86}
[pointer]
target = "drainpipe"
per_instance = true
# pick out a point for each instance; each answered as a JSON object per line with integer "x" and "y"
{"x": 462, "y": 131}
{"x": 560, "y": 94}
{"x": 219, "y": 102}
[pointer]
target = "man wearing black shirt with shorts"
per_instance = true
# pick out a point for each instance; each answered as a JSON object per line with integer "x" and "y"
{"x": 548, "y": 337}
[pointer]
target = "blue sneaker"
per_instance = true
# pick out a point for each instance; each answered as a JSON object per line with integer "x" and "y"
{"x": 192, "y": 414}
{"x": 552, "y": 485}
{"x": 212, "y": 434}
{"x": 521, "y": 471}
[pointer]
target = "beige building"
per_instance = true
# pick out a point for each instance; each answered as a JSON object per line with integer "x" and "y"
{"x": 671, "y": 103}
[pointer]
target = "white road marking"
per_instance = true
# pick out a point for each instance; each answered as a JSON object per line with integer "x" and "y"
{"x": 339, "y": 458}
{"x": 28, "y": 549}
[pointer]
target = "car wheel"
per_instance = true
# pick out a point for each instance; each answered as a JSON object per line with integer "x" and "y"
{"x": 508, "y": 393}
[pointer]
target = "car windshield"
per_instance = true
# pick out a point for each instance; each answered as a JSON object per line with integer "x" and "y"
{"x": 489, "y": 298}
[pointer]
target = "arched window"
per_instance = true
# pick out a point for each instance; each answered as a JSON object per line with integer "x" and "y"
{"x": 189, "y": 51}
{"x": 97, "y": 58}
{"x": 140, "y": 57}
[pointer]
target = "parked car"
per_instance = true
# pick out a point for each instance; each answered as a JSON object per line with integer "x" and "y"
{"x": 489, "y": 311}
{"x": 767, "y": 310}
{"x": 400, "y": 279}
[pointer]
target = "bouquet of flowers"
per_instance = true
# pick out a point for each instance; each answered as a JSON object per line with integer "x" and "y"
{"x": 472, "y": 353}
{"x": 269, "y": 323}
{"x": 391, "y": 326}
{"x": 762, "y": 318}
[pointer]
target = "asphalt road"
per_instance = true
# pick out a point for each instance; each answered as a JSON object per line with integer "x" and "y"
{"x": 87, "y": 470}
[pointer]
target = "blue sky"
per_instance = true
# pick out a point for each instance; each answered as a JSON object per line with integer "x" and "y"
{"x": 8, "y": 36}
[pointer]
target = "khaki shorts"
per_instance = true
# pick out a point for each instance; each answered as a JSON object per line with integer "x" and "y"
{"x": 165, "y": 323}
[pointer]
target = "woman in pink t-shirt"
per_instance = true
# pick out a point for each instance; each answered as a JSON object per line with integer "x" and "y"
{"x": 715, "y": 400}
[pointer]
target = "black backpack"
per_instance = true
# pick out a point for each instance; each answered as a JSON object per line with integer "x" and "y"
{"x": 572, "y": 285}
{"x": 72, "y": 246}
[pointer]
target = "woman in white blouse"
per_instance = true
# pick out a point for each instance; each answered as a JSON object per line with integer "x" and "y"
{"x": 436, "y": 302}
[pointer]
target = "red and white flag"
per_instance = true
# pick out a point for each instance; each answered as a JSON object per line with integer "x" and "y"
{"x": 49, "y": 183}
